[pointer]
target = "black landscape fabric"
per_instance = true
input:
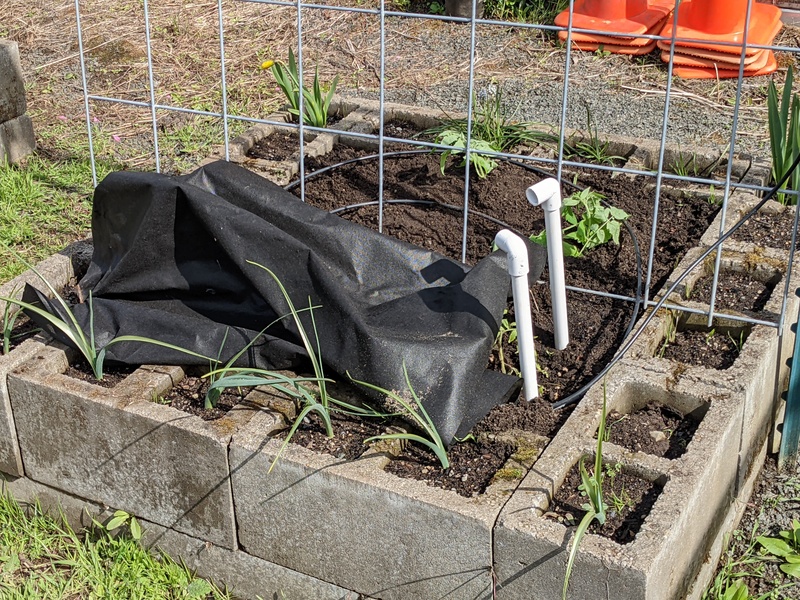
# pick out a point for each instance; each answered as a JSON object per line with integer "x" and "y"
{"x": 175, "y": 259}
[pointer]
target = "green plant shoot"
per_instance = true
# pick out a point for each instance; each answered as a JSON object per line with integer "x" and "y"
{"x": 592, "y": 486}
{"x": 316, "y": 103}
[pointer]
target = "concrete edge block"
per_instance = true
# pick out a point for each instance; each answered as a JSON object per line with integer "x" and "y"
{"x": 531, "y": 550}
{"x": 12, "y": 92}
{"x": 442, "y": 540}
{"x": 18, "y": 138}
{"x": 58, "y": 269}
{"x": 183, "y": 458}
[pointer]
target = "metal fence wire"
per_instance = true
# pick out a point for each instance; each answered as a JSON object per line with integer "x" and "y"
{"x": 153, "y": 103}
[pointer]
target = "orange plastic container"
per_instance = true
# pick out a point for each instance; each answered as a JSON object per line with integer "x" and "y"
{"x": 623, "y": 17}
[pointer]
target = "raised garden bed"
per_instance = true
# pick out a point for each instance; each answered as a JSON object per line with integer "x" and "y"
{"x": 317, "y": 521}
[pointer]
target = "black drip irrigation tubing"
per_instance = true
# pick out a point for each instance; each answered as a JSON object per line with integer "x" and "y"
{"x": 577, "y": 395}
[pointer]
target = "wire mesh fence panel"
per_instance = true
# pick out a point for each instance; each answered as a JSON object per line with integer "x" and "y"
{"x": 664, "y": 114}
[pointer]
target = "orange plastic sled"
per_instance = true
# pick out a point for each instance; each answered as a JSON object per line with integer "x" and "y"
{"x": 595, "y": 38}
{"x": 623, "y": 17}
{"x": 690, "y": 60}
{"x": 632, "y": 50}
{"x": 711, "y": 73}
{"x": 718, "y": 57}
{"x": 706, "y": 23}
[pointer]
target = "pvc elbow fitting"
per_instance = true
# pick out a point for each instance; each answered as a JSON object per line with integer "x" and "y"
{"x": 546, "y": 193}
{"x": 516, "y": 250}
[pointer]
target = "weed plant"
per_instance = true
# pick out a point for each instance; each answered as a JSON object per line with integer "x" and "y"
{"x": 542, "y": 12}
{"x": 591, "y": 148}
{"x": 493, "y": 130}
{"x": 43, "y": 557}
{"x": 315, "y": 102}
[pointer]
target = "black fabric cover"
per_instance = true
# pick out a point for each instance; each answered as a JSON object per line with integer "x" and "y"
{"x": 171, "y": 262}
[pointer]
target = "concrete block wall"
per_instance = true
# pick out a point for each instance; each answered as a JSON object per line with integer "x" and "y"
{"x": 16, "y": 128}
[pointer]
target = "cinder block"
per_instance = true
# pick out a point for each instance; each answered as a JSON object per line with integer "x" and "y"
{"x": 12, "y": 85}
{"x": 763, "y": 363}
{"x": 245, "y": 576}
{"x": 16, "y": 139}
{"x": 355, "y": 525}
{"x": 115, "y": 447}
{"x": 659, "y": 564}
{"x": 58, "y": 270}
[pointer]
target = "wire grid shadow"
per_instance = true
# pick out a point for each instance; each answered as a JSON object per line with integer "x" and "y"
{"x": 376, "y": 56}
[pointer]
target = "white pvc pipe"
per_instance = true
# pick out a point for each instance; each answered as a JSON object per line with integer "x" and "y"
{"x": 547, "y": 194}
{"x": 517, "y": 253}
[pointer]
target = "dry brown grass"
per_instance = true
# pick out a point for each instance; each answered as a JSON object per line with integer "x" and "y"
{"x": 186, "y": 64}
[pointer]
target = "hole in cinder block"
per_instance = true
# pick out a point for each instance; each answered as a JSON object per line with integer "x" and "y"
{"x": 628, "y": 494}
{"x": 739, "y": 287}
{"x": 770, "y": 227}
{"x": 687, "y": 339}
{"x": 649, "y": 419}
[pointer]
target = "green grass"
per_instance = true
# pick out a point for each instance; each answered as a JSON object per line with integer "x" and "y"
{"x": 42, "y": 558}
{"x": 45, "y": 203}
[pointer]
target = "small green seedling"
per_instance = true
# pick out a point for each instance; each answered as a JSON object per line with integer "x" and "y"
{"x": 507, "y": 332}
{"x": 122, "y": 518}
{"x": 483, "y": 164}
{"x": 417, "y": 414}
{"x": 592, "y": 486}
{"x": 591, "y": 148}
{"x": 685, "y": 166}
{"x": 590, "y": 223}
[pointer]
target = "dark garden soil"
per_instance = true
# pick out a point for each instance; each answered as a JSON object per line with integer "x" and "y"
{"x": 735, "y": 291}
{"x": 629, "y": 500}
{"x": 768, "y": 230}
{"x": 473, "y": 465}
{"x": 704, "y": 349}
{"x": 189, "y": 396}
{"x": 655, "y": 429}
{"x": 280, "y": 145}
{"x": 348, "y": 441}
{"x": 112, "y": 375}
